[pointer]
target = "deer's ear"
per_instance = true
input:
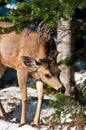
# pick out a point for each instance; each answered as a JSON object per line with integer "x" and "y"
{"x": 29, "y": 61}
{"x": 44, "y": 62}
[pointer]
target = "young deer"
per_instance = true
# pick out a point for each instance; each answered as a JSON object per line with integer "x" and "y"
{"x": 28, "y": 53}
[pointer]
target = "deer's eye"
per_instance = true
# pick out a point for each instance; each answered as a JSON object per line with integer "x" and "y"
{"x": 47, "y": 76}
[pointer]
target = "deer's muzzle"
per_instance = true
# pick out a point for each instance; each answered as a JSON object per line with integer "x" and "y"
{"x": 61, "y": 90}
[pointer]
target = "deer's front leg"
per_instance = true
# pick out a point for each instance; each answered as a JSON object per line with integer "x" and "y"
{"x": 39, "y": 86}
{"x": 22, "y": 78}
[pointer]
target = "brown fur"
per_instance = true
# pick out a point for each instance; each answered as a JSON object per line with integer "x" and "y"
{"x": 5, "y": 24}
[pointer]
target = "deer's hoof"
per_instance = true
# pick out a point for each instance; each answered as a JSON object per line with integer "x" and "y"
{"x": 22, "y": 124}
{"x": 33, "y": 124}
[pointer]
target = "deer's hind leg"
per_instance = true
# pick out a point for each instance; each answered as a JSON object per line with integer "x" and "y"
{"x": 2, "y": 111}
{"x": 3, "y": 115}
{"x": 2, "y": 70}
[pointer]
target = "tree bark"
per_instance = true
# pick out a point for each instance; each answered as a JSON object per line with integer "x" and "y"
{"x": 65, "y": 49}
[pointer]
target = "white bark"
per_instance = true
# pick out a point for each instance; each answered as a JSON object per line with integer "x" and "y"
{"x": 65, "y": 48}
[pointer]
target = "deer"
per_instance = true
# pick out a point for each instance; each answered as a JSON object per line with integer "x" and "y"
{"x": 28, "y": 53}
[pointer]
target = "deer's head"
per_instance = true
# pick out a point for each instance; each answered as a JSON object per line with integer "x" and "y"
{"x": 41, "y": 70}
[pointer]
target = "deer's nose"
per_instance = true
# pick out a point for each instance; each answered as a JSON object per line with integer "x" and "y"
{"x": 61, "y": 90}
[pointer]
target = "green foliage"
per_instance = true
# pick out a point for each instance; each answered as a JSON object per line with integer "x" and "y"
{"x": 48, "y": 89}
{"x": 22, "y": 15}
{"x": 5, "y": 30}
{"x": 52, "y": 11}
{"x": 4, "y": 1}
{"x": 46, "y": 10}
{"x": 65, "y": 108}
{"x": 30, "y": 11}
{"x": 69, "y": 61}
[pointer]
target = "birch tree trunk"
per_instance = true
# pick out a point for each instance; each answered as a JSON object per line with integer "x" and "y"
{"x": 65, "y": 49}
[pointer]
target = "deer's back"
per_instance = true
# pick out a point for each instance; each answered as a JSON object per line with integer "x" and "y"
{"x": 13, "y": 46}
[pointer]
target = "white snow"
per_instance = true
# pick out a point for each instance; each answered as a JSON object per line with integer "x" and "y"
{"x": 80, "y": 77}
{"x": 13, "y": 6}
{"x": 11, "y": 101}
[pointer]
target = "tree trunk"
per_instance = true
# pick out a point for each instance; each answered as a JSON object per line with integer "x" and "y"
{"x": 65, "y": 49}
